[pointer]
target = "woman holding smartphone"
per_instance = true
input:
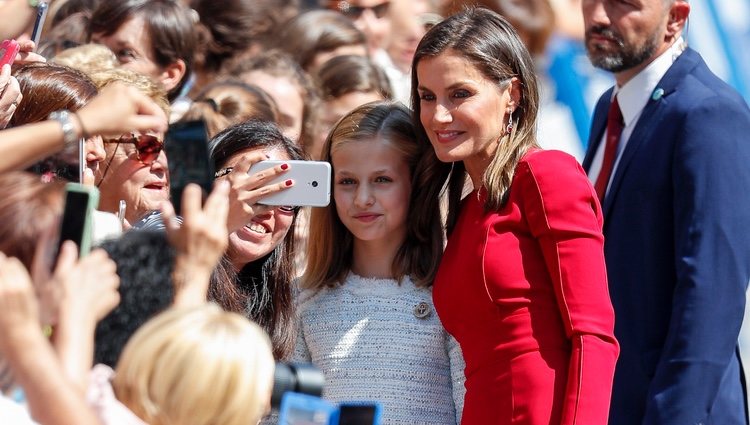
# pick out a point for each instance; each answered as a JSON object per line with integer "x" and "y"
{"x": 258, "y": 268}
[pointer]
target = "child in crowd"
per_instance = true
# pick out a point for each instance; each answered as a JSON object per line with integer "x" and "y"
{"x": 366, "y": 314}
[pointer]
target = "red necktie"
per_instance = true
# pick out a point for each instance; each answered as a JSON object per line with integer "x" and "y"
{"x": 615, "y": 125}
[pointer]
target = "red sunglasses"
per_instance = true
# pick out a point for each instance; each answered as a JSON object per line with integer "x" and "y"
{"x": 147, "y": 149}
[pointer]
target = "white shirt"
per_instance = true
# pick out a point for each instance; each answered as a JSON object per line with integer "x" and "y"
{"x": 633, "y": 97}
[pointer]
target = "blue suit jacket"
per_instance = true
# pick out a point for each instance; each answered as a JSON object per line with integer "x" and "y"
{"x": 677, "y": 246}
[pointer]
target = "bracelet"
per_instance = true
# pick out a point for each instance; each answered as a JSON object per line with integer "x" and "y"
{"x": 70, "y": 137}
{"x": 34, "y": 3}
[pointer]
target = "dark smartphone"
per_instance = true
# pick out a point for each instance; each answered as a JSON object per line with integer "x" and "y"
{"x": 359, "y": 413}
{"x": 41, "y": 15}
{"x": 186, "y": 146}
{"x": 77, "y": 220}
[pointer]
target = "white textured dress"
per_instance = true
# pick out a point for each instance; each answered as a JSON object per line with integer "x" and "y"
{"x": 380, "y": 341}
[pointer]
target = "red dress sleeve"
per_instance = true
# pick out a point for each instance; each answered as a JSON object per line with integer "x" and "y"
{"x": 564, "y": 215}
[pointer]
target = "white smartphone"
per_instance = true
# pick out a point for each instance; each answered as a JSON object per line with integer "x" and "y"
{"x": 312, "y": 183}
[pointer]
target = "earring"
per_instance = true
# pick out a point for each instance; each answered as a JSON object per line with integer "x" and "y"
{"x": 509, "y": 127}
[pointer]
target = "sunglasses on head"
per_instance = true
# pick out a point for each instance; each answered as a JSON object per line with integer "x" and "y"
{"x": 147, "y": 149}
{"x": 354, "y": 12}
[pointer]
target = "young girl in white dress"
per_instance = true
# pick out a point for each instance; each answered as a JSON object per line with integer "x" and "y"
{"x": 366, "y": 314}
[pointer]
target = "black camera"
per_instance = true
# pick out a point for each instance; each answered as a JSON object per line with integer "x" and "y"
{"x": 296, "y": 377}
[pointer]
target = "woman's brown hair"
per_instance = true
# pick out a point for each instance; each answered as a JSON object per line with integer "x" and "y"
{"x": 230, "y": 102}
{"x": 488, "y": 42}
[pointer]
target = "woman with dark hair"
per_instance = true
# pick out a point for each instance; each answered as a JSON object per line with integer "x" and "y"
{"x": 260, "y": 259}
{"x": 153, "y": 37}
{"x": 522, "y": 284}
{"x": 47, "y": 88}
{"x": 315, "y": 36}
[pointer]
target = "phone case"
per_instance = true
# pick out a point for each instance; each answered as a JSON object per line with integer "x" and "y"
{"x": 8, "y": 51}
{"x": 312, "y": 183}
{"x": 303, "y": 409}
{"x": 77, "y": 221}
{"x": 358, "y": 413}
{"x": 41, "y": 15}
{"x": 186, "y": 146}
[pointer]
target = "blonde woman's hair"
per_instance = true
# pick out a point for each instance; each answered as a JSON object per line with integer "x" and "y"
{"x": 330, "y": 243}
{"x": 198, "y": 366}
{"x": 89, "y": 58}
{"x": 142, "y": 82}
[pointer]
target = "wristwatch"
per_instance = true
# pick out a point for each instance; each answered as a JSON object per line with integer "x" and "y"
{"x": 70, "y": 137}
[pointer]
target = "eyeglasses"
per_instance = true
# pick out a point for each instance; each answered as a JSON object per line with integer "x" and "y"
{"x": 354, "y": 12}
{"x": 286, "y": 209}
{"x": 147, "y": 149}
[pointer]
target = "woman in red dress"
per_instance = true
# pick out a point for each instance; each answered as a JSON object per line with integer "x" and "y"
{"x": 522, "y": 284}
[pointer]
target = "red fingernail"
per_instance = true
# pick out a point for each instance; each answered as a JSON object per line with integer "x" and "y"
{"x": 289, "y": 182}
{"x": 284, "y": 166}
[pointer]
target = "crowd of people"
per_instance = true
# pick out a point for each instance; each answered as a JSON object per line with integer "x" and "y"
{"x": 465, "y": 270}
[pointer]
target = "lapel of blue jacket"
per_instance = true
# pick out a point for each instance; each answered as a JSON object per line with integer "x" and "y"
{"x": 598, "y": 125}
{"x": 650, "y": 118}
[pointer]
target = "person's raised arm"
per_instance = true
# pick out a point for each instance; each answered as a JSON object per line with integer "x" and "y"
{"x": 49, "y": 393}
{"x": 116, "y": 110}
{"x": 200, "y": 241}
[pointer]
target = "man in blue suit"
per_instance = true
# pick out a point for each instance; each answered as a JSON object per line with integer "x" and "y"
{"x": 669, "y": 155}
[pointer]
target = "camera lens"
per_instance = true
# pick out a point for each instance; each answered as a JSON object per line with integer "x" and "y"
{"x": 295, "y": 377}
{"x": 314, "y": 184}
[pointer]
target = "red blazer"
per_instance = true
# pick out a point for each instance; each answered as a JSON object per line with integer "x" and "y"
{"x": 524, "y": 291}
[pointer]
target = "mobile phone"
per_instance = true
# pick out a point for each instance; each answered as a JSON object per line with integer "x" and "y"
{"x": 41, "y": 15}
{"x": 76, "y": 223}
{"x": 121, "y": 208}
{"x": 359, "y": 413}
{"x": 312, "y": 183}
{"x": 186, "y": 146}
{"x": 8, "y": 51}
{"x": 303, "y": 409}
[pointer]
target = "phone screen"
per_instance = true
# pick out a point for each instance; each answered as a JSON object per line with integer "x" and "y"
{"x": 186, "y": 146}
{"x": 303, "y": 409}
{"x": 350, "y": 414}
{"x": 73, "y": 225}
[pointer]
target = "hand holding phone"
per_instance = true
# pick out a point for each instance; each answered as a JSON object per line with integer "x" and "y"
{"x": 186, "y": 146}
{"x": 8, "y": 51}
{"x": 76, "y": 223}
{"x": 312, "y": 183}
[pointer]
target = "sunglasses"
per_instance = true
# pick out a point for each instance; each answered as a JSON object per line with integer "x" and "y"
{"x": 147, "y": 149}
{"x": 286, "y": 209}
{"x": 354, "y": 12}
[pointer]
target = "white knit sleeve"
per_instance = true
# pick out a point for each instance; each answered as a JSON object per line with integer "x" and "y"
{"x": 457, "y": 374}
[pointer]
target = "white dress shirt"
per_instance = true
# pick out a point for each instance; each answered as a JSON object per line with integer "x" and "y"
{"x": 633, "y": 97}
